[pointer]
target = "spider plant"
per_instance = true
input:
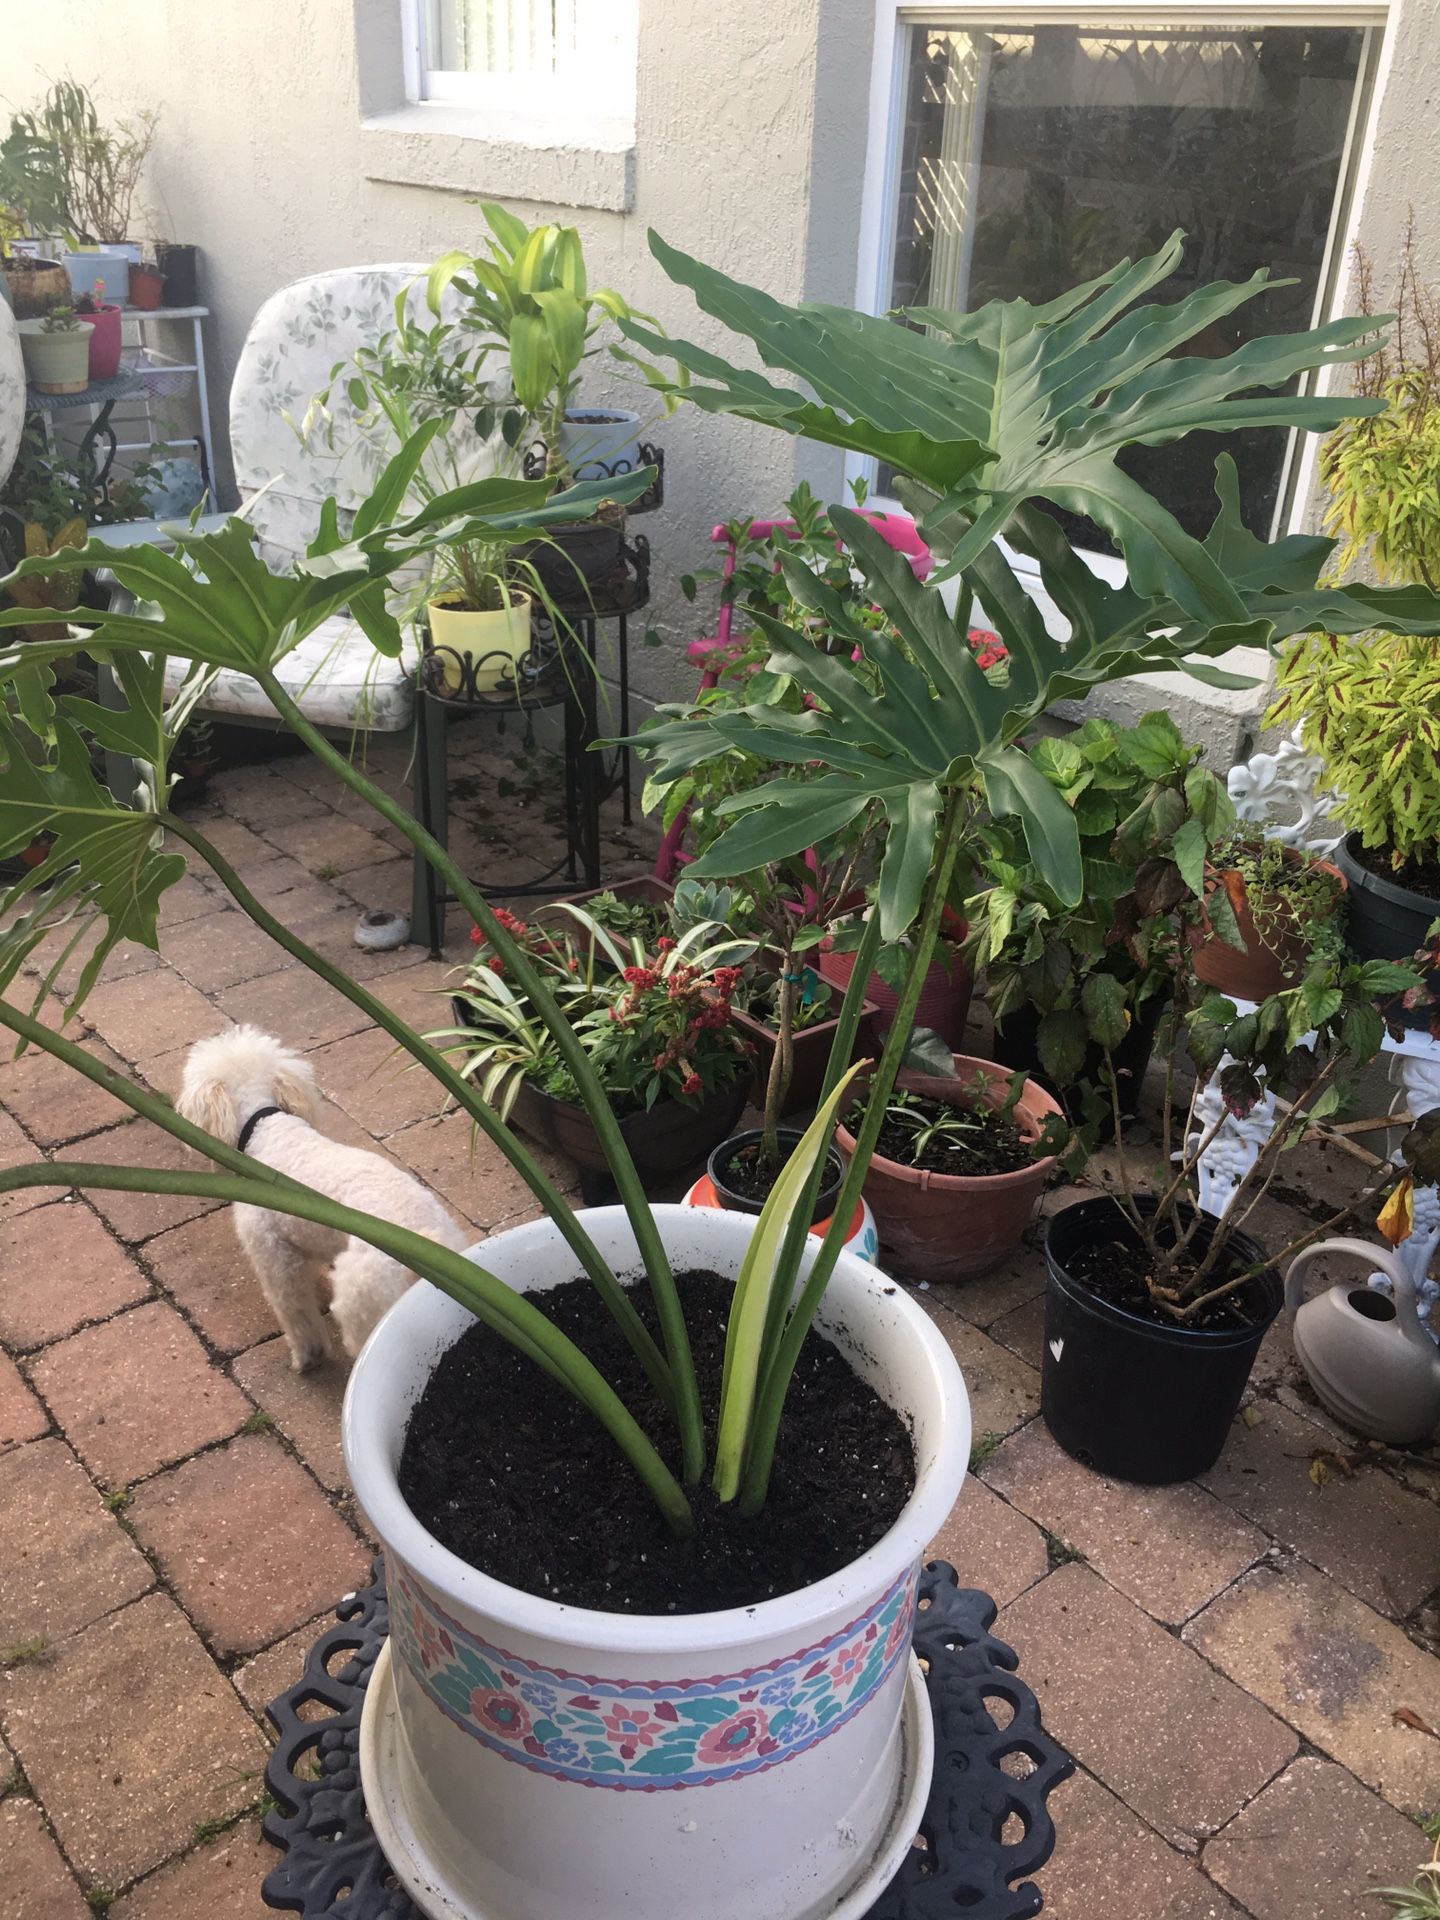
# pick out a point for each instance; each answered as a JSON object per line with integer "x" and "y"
{"x": 1003, "y": 408}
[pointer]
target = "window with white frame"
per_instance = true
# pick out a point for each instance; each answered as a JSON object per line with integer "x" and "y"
{"x": 547, "y": 61}
{"x": 1025, "y": 155}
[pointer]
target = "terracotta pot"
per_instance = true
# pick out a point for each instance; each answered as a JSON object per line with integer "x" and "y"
{"x": 944, "y": 999}
{"x": 482, "y": 1820}
{"x": 37, "y": 286}
{"x": 104, "y": 341}
{"x": 943, "y": 1226}
{"x": 147, "y": 288}
{"x": 1272, "y": 961}
{"x": 810, "y": 1055}
{"x": 664, "y": 1141}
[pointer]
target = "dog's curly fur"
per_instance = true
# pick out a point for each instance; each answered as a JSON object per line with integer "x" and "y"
{"x": 226, "y": 1080}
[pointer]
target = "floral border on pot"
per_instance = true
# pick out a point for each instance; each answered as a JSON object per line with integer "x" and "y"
{"x": 648, "y": 1735}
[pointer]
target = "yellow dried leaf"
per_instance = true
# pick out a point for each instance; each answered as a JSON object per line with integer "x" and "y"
{"x": 1396, "y": 1219}
{"x": 1319, "y": 1471}
{"x": 1251, "y": 1416}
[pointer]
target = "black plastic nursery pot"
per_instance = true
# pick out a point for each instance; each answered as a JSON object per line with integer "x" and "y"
{"x": 1017, "y": 1045}
{"x": 723, "y": 1158}
{"x": 1387, "y": 921}
{"x": 1127, "y": 1396}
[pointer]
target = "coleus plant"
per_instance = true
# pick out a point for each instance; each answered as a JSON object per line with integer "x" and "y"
{"x": 1013, "y": 405}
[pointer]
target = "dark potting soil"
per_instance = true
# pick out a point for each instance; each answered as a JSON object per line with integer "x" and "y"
{"x": 512, "y": 1474}
{"x": 1114, "y": 1267}
{"x": 1420, "y": 876}
{"x": 745, "y": 1175}
{"x": 990, "y": 1144}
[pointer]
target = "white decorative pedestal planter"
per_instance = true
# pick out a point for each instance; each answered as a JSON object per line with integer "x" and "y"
{"x": 527, "y": 1760}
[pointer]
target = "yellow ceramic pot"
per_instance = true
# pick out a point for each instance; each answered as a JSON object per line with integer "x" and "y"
{"x": 495, "y": 642}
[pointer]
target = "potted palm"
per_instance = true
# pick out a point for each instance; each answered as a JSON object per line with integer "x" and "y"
{"x": 500, "y": 1707}
{"x": 529, "y": 295}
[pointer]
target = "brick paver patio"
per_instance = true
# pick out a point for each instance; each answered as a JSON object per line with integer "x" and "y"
{"x": 1237, "y": 1666}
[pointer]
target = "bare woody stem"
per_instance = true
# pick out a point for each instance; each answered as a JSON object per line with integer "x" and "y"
{"x": 773, "y": 1389}
{"x": 460, "y": 1089}
{"x": 597, "y": 1107}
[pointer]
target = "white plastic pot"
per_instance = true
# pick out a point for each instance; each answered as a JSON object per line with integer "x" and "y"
{"x": 527, "y": 1760}
{"x": 599, "y": 442}
{"x": 88, "y": 265}
{"x": 495, "y": 642}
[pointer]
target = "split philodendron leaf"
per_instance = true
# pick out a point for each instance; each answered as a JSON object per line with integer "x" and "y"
{"x": 991, "y": 412}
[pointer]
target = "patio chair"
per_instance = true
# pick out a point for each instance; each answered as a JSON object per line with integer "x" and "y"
{"x": 335, "y": 675}
{"x": 711, "y": 653}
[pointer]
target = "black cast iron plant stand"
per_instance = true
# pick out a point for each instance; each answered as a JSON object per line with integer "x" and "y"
{"x": 986, "y": 1775}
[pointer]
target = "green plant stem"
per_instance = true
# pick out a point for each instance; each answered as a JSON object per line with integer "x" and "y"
{"x": 842, "y": 1047}
{"x": 481, "y": 1293}
{"x": 607, "y": 1127}
{"x": 766, "y": 1426}
{"x": 557, "y": 1208}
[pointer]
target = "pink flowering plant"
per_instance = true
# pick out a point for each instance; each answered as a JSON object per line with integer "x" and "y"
{"x": 653, "y": 1025}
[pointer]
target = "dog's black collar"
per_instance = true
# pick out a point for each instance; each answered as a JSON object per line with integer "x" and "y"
{"x": 260, "y": 1113}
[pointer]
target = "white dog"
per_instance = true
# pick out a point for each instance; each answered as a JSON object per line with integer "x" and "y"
{"x": 252, "y": 1092}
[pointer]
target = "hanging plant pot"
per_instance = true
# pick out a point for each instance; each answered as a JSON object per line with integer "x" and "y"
{"x": 1277, "y": 947}
{"x": 1123, "y": 1393}
{"x": 36, "y": 286}
{"x": 479, "y": 651}
{"x": 942, "y": 1226}
{"x": 490, "y": 1807}
{"x": 56, "y": 362}
{"x": 944, "y": 999}
{"x": 1388, "y": 921}
{"x": 104, "y": 328}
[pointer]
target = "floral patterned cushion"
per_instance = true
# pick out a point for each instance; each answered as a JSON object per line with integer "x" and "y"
{"x": 290, "y": 456}
{"x": 12, "y": 391}
{"x": 334, "y": 674}
{"x": 299, "y": 454}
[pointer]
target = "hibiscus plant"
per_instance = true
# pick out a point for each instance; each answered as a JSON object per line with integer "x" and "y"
{"x": 989, "y": 414}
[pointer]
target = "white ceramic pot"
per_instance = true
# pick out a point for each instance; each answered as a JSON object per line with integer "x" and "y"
{"x": 527, "y": 1760}
{"x": 596, "y": 443}
{"x": 495, "y": 642}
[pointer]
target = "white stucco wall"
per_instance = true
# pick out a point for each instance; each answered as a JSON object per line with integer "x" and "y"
{"x": 261, "y": 159}
{"x": 750, "y": 143}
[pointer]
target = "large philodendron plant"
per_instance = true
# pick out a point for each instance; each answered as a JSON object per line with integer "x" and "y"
{"x": 913, "y": 746}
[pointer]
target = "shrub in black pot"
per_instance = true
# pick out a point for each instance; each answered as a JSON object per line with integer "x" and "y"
{"x": 1157, "y": 1301}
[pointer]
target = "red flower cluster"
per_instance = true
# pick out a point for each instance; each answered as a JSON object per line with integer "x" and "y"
{"x": 988, "y": 648}
{"x": 516, "y": 928}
